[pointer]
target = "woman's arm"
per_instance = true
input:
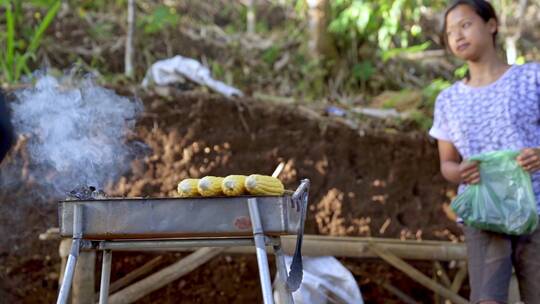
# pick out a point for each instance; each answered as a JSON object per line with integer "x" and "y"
{"x": 529, "y": 158}
{"x": 453, "y": 169}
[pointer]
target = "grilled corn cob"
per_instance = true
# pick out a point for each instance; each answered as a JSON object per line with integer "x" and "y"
{"x": 233, "y": 185}
{"x": 210, "y": 186}
{"x": 264, "y": 185}
{"x": 188, "y": 187}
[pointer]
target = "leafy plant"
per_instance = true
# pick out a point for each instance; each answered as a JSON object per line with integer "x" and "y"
{"x": 421, "y": 119}
{"x": 18, "y": 50}
{"x": 462, "y": 71}
{"x": 271, "y": 54}
{"x": 388, "y": 24}
{"x": 363, "y": 71}
{"x": 391, "y": 53}
{"x": 433, "y": 89}
{"x": 160, "y": 18}
{"x": 312, "y": 81}
{"x": 218, "y": 70}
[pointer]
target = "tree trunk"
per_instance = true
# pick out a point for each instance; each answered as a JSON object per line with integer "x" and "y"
{"x": 512, "y": 38}
{"x": 129, "y": 40}
{"x": 250, "y": 17}
{"x": 321, "y": 44}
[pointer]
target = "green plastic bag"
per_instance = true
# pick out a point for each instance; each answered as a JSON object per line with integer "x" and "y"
{"x": 503, "y": 201}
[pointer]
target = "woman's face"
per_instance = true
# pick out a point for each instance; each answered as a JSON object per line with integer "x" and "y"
{"x": 468, "y": 35}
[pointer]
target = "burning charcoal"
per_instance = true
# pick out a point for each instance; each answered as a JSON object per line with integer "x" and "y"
{"x": 99, "y": 194}
{"x": 79, "y": 193}
{"x": 86, "y": 193}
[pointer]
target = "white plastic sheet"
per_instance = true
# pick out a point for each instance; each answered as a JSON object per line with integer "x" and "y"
{"x": 178, "y": 68}
{"x": 325, "y": 281}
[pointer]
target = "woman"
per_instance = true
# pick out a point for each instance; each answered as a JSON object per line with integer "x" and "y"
{"x": 497, "y": 107}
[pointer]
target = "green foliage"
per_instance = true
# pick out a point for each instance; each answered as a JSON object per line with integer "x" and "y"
{"x": 351, "y": 17}
{"x": 432, "y": 91}
{"x": 300, "y": 7}
{"x": 391, "y": 53}
{"x": 312, "y": 77}
{"x": 159, "y": 19}
{"x": 271, "y": 54}
{"x": 375, "y": 31}
{"x": 102, "y": 30}
{"x": 421, "y": 119}
{"x": 461, "y": 72}
{"x": 387, "y": 23}
{"x": 94, "y": 5}
{"x": 363, "y": 71}
{"x": 42, "y": 3}
{"x": 19, "y": 48}
{"x": 261, "y": 27}
{"x": 217, "y": 70}
{"x": 391, "y": 14}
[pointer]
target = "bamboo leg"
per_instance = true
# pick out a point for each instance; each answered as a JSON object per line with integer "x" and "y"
{"x": 441, "y": 273}
{"x": 163, "y": 277}
{"x": 460, "y": 277}
{"x": 436, "y": 296}
{"x": 394, "y": 290}
{"x": 415, "y": 274}
{"x": 135, "y": 274}
{"x": 84, "y": 279}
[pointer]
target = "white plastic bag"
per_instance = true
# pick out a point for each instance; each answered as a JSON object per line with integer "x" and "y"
{"x": 325, "y": 280}
{"x": 173, "y": 70}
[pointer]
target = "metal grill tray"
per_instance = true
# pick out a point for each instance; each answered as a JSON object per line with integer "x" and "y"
{"x": 142, "y": 218}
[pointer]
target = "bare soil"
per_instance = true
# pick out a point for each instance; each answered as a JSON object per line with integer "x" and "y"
{"x": 367, "y": 179}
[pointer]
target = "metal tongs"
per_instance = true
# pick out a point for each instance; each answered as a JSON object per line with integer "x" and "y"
{"x": 299, "y": 201}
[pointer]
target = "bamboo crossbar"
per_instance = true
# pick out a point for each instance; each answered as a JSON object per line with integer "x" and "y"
{"x": 355, "y": 247}
{"x": 358, "y": 247}
{"x": 318, "y": 245}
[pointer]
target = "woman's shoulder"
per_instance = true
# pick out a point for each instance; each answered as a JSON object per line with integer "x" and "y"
{"x": 533, "y": 66}
{"x": 528, "y": 73}
{"x": 448, "y": 93}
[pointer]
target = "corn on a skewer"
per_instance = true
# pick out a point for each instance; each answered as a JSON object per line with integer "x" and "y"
{"x": 233, "y": 185}
{"x": 264, "y": 185}
{"x": 210, "y": 186}
{"x": 188, "y": 187}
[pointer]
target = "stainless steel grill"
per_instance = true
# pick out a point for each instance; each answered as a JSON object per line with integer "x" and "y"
{"x": 167, "y": 223}
{"x": 131, "y": 218}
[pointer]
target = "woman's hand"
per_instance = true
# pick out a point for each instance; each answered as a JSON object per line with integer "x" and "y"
{"x": 469, "y": 172}
{"x": 529, "y": 159}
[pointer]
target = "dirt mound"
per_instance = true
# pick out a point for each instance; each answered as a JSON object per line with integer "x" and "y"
{"x": 366, "y": 181}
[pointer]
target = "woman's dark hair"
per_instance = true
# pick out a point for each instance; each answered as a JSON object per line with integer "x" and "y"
{"x": 483, "y": 8}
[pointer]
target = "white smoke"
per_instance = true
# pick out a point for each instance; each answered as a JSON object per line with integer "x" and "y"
{"x": 76, "y": 132}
